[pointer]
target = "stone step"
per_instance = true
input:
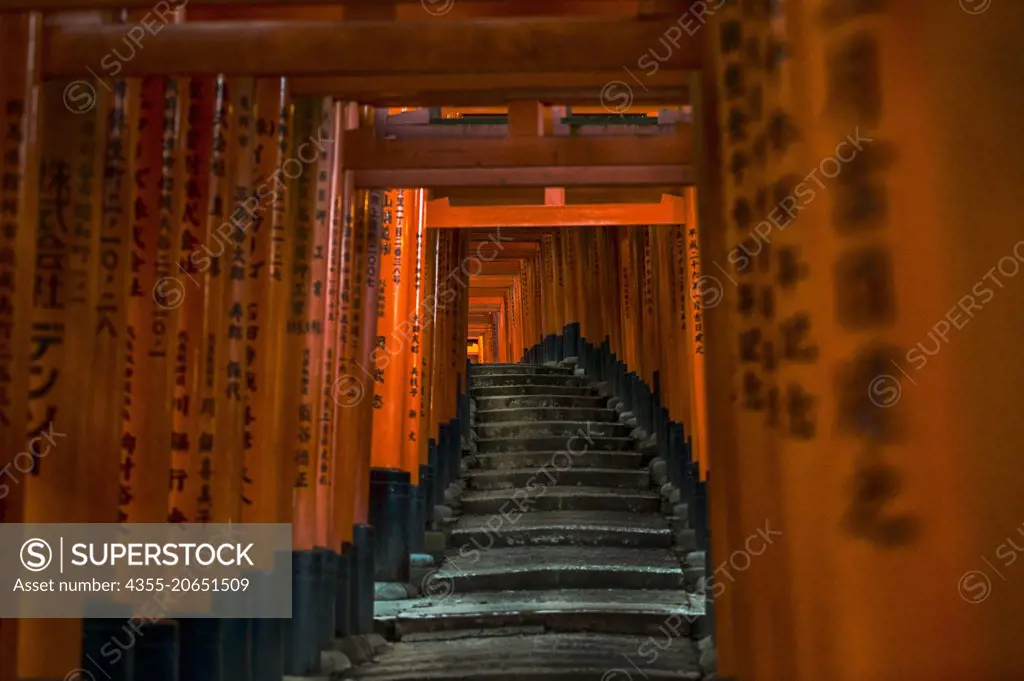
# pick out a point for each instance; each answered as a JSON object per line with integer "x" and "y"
{"x": 593, "y": 414}
{"x": 537, "y": 657}
{"x": 619, "y": 611}
{"x": 535, "y": 480}
{"x": 564, "y": 429}
{"x": 535, "y": 401}
{"x": 572, "y": 443}
{"x": 492, "y": 369}
{"x": 588, "y": 459}
{"x": 556, "y": 498}
{"x": 494, "y": 380}
{"x": 559, "y": 567}
{"x": 561, "y": 528}
{"x": 527, "y": 389}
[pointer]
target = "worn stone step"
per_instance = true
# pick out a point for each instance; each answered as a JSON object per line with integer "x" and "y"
{"x": 535, "y": 480}
{"x": 558, "y": 498}
{"x": 587, "y": 459}
{"x": 538, "y": 657}
{"x": 564, "y": 429}
{"x": 585, "y": 414}
{"x": 492, "y": 369}
{"x": 503, "y": 380}
{"x": 561, "y": 528}
{"x": 527, "y": 389}
{"x": 560, "y": 567}
{"x": 534, "y": 401}
{"x": 619, "y": 611}
{"x": 571, "y": 442}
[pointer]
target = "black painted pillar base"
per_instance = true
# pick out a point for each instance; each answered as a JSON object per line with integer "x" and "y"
{"x": 343, "y": 593}
{"x": 327, "y": 590}
{"x": 364, "y": 541}
{"x": 429, "y": 493}
{"x": 389, "y": 515}
{"x": 416, "y": 528}
{"x": 236, "y": 656}
{"x": 267, "y": 653}
{"x": 302, "y": 645}
{"x": 110, "y": 643}
{"x": 157, "y": 652}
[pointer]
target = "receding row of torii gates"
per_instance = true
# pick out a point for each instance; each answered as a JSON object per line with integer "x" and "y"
{"x": 204, "y": 317}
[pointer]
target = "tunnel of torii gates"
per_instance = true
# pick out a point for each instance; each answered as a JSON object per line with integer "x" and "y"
{"x": 244, "y": 266}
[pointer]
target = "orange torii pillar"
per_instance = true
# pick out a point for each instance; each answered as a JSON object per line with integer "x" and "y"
{"x": 901, "y": 355}
{"x": 760, "y": 606}
{"x": 63, "y": 172}
{"x": 412, "y": 346}
{"x": 390, "y": 479}
{"x": 20, "y": 45}
{"x": 426, "y": 310}
{"x": 354, "y": 392}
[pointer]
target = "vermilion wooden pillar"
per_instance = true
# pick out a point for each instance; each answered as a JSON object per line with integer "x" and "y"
{"x": 301, "y": 343}
{"x": 390, "y": 477}
{"x": 149, "y": 343}
{"x": 607, "y": 282}
{"x": 265, "y": 475}
{"x": 329, "y": 209}
{"x": 748, "y": 272}
{"x": 628, "y": 300}
{"x": 411, "y": 333}
{"x": 188, "y": 283}
{"x": 426, "y": 311}
{"x": 916, "y": 367}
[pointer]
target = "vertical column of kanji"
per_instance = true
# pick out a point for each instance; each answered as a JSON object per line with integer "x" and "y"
{"x": 188, "y": 282}
{"x": 370, "y": 222}
{"x": 628, "y": 299}
{"x": 416, "y": 224}
{"x": 282, "y": 254}
{"x": 209, "y": 270}
{"x": 112, "y": 297}
{"x": 651, "y": 321}
{"x": 742, "y": 45}
{"x": 240, "y": 211}
{"x": 267, "y": 301}
{"x": 566, "y": 282}
{"x": 20, "y": 47}
{"x": 551, "y": 289}
{"x": 442, "y": 335}
{"x": 298, "y": 407}
{"x": 608, "y": 283}
{"x": 65, "y": 317}
{"x": 672, "y": 353}
{"x": 679, "y": 291}
{"x": 426, "y": 311}
{"x": 347, "y": 389}
{"x": 326, "y": 255}
{"x": 145, "y": 455}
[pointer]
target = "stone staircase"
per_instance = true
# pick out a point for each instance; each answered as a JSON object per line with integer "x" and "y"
{"x": 560, "y": 563}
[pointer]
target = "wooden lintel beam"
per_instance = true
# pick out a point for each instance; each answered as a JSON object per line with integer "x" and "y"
{"x": 74, "y": 5}
{"x": 669, "y": 211}
{"x": 538, "y": 176}
{"x": 365, "y": 151}
{"x": 664, "y": 87}
{"x": 274, "y": 48}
